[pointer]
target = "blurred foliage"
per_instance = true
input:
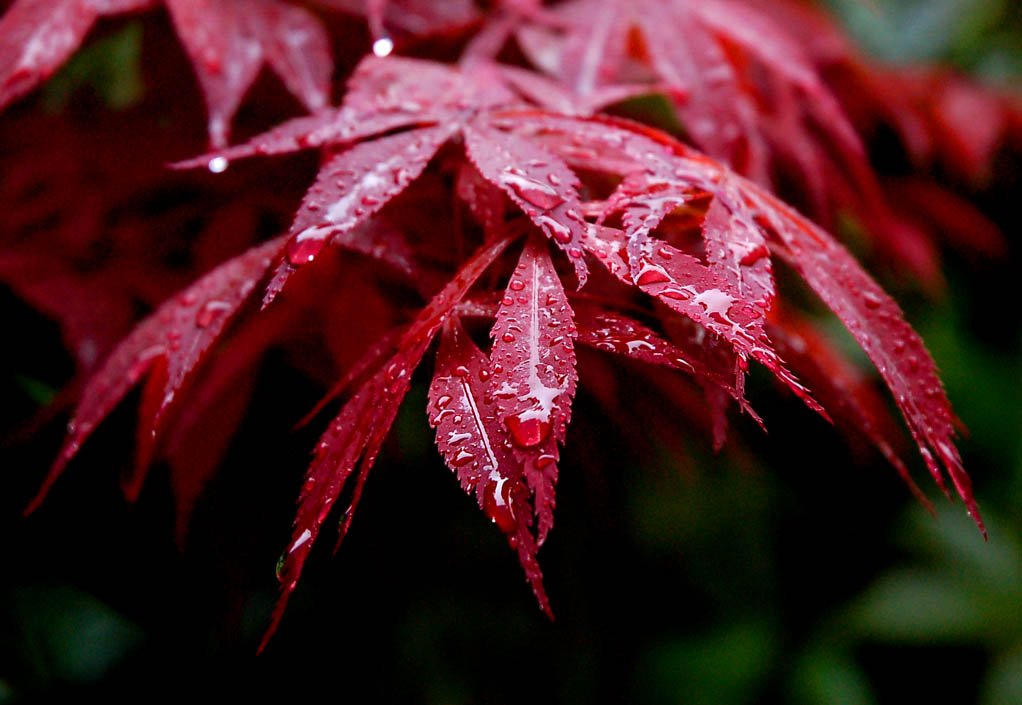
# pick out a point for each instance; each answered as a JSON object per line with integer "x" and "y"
{"x": 983, "y": 37}
{"x": 110, "y": 67}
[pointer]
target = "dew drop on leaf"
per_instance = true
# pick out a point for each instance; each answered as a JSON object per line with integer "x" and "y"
{"x": 497, "y": 505}
{"x": 302, "y": 251}
{"x": 383, "y": 46}
{"x": 528, "y": 432}
{"x": 218, "y": 165}
{"x": 208, "y": 312}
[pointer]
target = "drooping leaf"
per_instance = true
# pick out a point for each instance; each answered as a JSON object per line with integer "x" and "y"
{"x": 360, "y": 428}
{"x": 855, "y": 407}
{"x": 533, "y": 375}
{"x": 174, "y": 338}
{"x": 476, "y": 446}
{"x": 876, "y": 323}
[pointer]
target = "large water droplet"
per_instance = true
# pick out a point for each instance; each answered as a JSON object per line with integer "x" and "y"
{"x": 529, "y": 432}
{"x": 497, "y": 504}
{"x": 303, "y": 251}
{"x": 218, "y": 165}
{"x": 651, "y": 275}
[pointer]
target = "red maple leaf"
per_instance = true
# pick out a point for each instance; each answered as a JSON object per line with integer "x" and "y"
{"x": 671, "y": 251}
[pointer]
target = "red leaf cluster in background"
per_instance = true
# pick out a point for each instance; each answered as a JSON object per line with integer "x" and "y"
{"x": 452, "y": 180}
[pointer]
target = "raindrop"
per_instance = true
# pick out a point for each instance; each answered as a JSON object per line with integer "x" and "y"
{"x": 508, "y": 338}
{"x": 301, "y": 252}
{"x": 497, "y": 504}
{"x": 527, "y": 433}
{"x": 209, "y": 311}
{"x": 462, "y": 458}
{"x": 651, "y": 275}
{"x": 383, "y": 46}
{"x": 218, "y": 165}
{"x": 517, "y": 285}
{"x": 531, "y": 191}
{"x": 543, "y": 460}
{"x": 871, "y": 300}
{"x": 754, "y": 255}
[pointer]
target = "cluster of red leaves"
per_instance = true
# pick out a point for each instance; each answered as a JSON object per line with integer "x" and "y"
{"x": 672, "y": 251}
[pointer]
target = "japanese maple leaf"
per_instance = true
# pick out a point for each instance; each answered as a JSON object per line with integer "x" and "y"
{"x": 510, "y": 405}
{"x": 228, "y": 42}
{"x": 668, "y": 171}
{"x": 745, "y": 89}
{"x": 439, "y": 102}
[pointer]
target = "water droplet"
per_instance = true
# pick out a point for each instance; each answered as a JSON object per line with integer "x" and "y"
{"x": 527, "y": 433}
{"x": 461, "y": 371}
{"x": 383, "y": 46}
{"x": 871, "y": 300}
{"x": 754, "y": 255}
{"x": 301, "y": 252}
{"x": 462, "y": 458}
{"x": 443, "y": 401}
{"x": 484, "y": 375}
{"x": 553, "y": 179}
{"x": 497, "y": 504}
{"x": 209, "y": 311}
{"x": 517, "y": 285}
{"x": 218, "y": 165}
{"x": 543, "y": 460}
{"x": 507, "y": 301}
{"x": 651, "y": 275}
{"x": 531, "y": 191}
{"x": 507, "y": 338}
{"x": 370, "y": 201}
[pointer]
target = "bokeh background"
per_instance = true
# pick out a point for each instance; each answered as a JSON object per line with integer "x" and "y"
{"x": 786, "y": 569}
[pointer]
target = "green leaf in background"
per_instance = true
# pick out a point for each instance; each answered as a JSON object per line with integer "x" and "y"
{"x": 111, "y": 67}
{"x": 69, "y": 635}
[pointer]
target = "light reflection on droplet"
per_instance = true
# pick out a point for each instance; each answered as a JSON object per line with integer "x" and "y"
{"x": 217, "y": 165}
{"x": 383, "y": 46}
